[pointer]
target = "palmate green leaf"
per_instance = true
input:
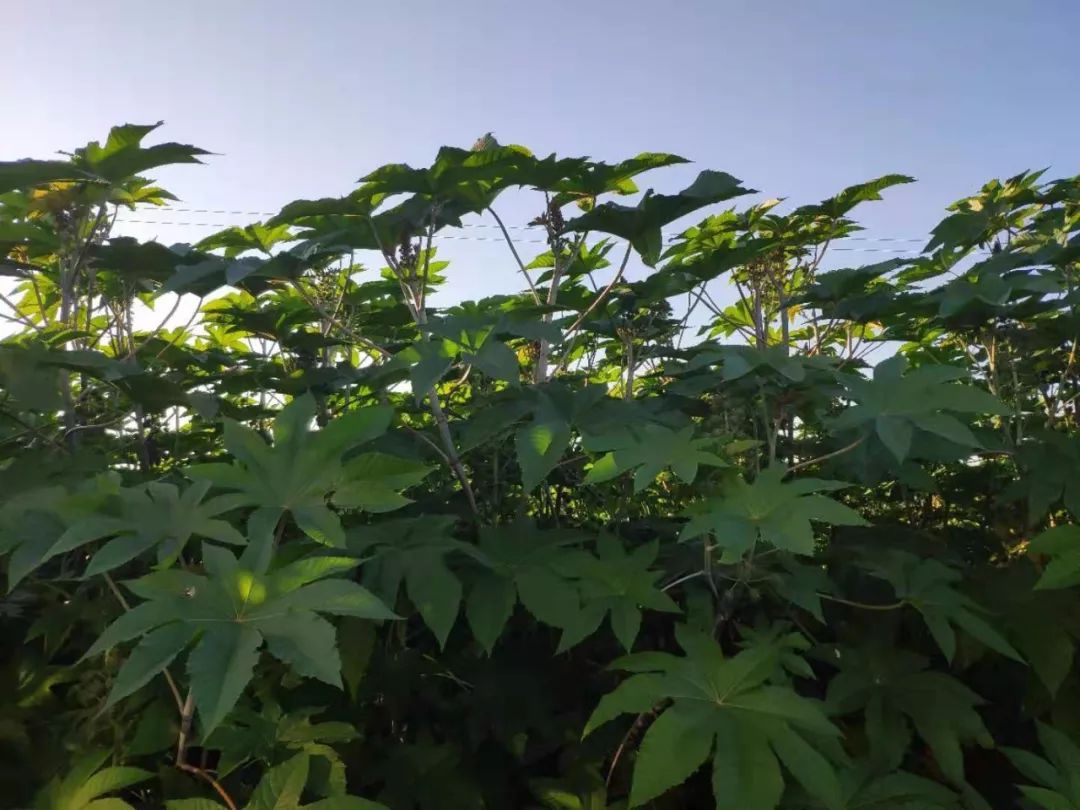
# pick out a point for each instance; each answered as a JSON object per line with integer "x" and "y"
{"x": 231, "y": 611}
{"x": 771, "y": 510}
{"x": 738, "y": 361}
{"x": 930, "y": 587}
{"x": 841, "y": 204}
{"x": 548, "y": 596}
{"x": 895, "y": 433}
{"x": 156, "y": 515}
{"x": 33, "y": 524}
{"x": 319, "y": 523}
{"x": 301, "y": 469}
{"x": 807, "y": 764}
{"x": 124, "y": 156}
{"x": 237, "y": 240}
{"x": 615, "y": 583}
{"x": 641, "y": 224}
{"x": 525, "y": 564}
{"x": 650, "y": 449}
{"x": 427, "y": 361}
{"x": 581, "y": 180}
{"x": 899, "y": 401}
{"x": 26, "y": 174}
{"x": 897, "y": 693}
{"x": 338, "y": 597}
{"x": 802, "y": 585}
{"x": 726, "y": 704}
{"x": 1057, "y": 778}
{"x": 470, "y": 178}
{"x": 32, "y": 385}
{"x": 415, "y": 551}
{"x": 86, "y": 782}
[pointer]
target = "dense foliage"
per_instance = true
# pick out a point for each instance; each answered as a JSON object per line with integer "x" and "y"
{"x": 602, "y": 544}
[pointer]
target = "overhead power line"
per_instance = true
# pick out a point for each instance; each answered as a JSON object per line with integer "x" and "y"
{"x": 441, "y": 236}
{"x": 170, "y": 209}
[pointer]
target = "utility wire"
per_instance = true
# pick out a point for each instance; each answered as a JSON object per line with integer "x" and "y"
{"x": 124, "y": 220}
{"x": 463, "y": 225}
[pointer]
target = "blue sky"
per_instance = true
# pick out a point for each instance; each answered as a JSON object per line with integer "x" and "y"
{"x": 796, "y": 98}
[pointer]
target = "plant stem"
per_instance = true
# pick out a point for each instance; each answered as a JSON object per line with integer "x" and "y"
{"x": 683, "y": 579}
{"x": 452, "y": 457}
{"x": 601, "y": 296}
{"x": 604, "y": 292}
{"x": 420, "y": 317}
{"x": 635, "y": 731}
{"x": 770, "y": 427}
{"x": 517, "y": 258}
{"x": 863, "y": 605}
{"x": 845, "y": 449}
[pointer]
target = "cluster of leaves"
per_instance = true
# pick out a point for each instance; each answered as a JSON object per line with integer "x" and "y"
{"x": 743, "y": 532}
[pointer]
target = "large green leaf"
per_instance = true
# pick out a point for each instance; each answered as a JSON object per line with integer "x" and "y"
{"x": 25, "y": 174}
{"x": 897, "y": 692}
{"x": 769, "y": 509}
{"x": 930, "y": 587}
{"x": 617, "y": 583}
{"x": 301, "y": 469}
{"x": 231, "y": 610}
{"x": 649, "y": 450}
{"x": 526, "y": 564}
{"x": 123, "y": 155}
{"x": 641, "y": 224}
{"x": 1057, "y": 786}
{"x": 715, "y": 701}
{"x": 897, "y": 402}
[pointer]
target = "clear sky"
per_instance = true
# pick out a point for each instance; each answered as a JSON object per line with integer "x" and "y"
{"x": 797, "y": 98}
